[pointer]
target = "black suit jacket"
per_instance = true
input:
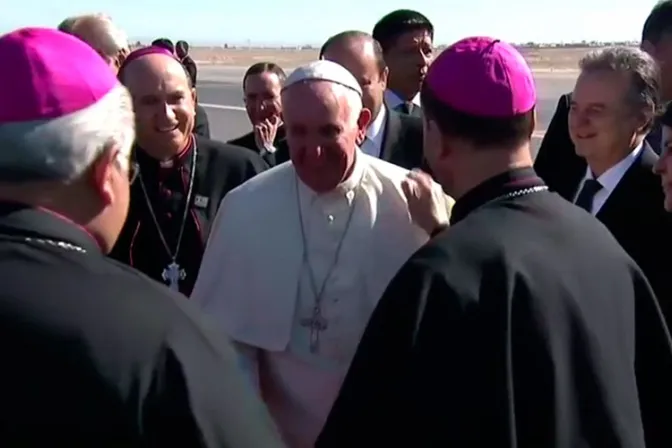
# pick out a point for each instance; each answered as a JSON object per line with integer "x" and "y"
{"x": 557, "y": 160}
{"x": 635, "y": 215}
{"x": 201, "y": 124}
{"x": 402, "y": 142}
{"x": 220, "y": 167}
{"x": 247, "y": 141}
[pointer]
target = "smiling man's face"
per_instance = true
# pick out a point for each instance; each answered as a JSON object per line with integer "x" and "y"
{"x": 164, "y": 104}
{"x": 601, "y": 118}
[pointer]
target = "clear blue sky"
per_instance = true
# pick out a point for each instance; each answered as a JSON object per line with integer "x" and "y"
{"x": 311, "y": 22}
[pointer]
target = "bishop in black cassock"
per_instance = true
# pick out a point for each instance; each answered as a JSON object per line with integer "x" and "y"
{"x": 174, "y": 198}
{"x": 524, "y": 324}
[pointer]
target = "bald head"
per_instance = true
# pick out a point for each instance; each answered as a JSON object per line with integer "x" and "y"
{"x": 354, "y": 43}
{"x": 155, "y": 67}
{"x": 164, "y": 103}
{"x": 362, "y": 55}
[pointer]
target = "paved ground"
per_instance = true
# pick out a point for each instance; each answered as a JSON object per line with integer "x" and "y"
{"x": 220, "y": 91}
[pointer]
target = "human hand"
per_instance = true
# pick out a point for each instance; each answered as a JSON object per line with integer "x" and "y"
{"x": 426, "y": 203}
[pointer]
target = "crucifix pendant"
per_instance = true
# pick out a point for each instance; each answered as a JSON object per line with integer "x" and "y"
{"x": 172, "y": 275}
{"x": 316, "y": 323}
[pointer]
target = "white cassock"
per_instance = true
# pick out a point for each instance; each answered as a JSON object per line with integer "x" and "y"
{"x": 257, "y": 285}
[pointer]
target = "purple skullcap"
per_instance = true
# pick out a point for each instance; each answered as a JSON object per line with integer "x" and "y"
{"x": 49, "y": 74}
{"x": 145, "y": 51}
{"x": 484, "y": 77}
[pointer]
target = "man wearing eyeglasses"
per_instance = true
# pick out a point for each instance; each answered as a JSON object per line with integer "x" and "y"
{"x": 182, "y": 177}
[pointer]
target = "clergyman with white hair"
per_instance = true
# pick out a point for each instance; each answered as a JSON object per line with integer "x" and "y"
{"x": 94, "y": 353}
{"x": 299, "y": 255}
{"x": 102, "y": 34}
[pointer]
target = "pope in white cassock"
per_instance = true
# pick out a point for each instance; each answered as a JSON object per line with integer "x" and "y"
{"x": 300, "y": 255}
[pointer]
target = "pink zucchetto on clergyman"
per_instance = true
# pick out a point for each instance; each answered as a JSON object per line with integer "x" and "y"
{"x": 483, "y": 77}
{"x": 53, "y": 85}
{"x": 141, "y": 53}
{"x": 50, "y": 74}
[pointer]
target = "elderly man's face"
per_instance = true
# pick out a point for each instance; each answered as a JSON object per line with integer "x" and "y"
{"x": 164, "y": 103}
{"x": 262, "y": 97}
{"x": 601, "y": 119}
{"x": 321, "y": 134}
{"x": 664, "y": 167}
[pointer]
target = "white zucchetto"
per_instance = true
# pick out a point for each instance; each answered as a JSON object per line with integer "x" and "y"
{"x": 324, "y": 70}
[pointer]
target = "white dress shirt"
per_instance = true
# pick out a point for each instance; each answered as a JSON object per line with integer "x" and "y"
{"x": 393, "y": 100}
{"x": 609, "y": 179}
{"x": 375, "y": 135}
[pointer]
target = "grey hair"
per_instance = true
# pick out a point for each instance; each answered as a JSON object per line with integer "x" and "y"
{"x": 645, "y": 74}
{"x": 99, "y": 32}
{"x": 63, "y": 148}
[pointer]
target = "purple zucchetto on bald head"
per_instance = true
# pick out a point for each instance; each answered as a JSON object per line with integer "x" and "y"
{"x": 146, "y": 51}
{"x": 483, "y": 77}
{"x": 52, "y": 75}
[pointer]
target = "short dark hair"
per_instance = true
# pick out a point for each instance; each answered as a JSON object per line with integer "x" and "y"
{"x": 399, "y": 22}
{"x": 666, "y": 118}
{"x": 183, "y": 45}
{"x": 658, "y": 23}
{"x": 346, "y": 36}
{"x": 164, "y": 42}
{"x": 263, "y": 67}
{"x": 481, "y": 131}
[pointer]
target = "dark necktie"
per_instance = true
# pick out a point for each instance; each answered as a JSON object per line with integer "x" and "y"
{"x": 406, "y": 108}
{"x": 587, "y": 194}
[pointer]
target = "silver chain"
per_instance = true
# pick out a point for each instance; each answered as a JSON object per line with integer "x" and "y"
{"x": 46, "y": 242}
{"x": 517, "y": 194}
{"x": 192, "y": 175}
{"x": 318, "y": 294}
{"x": 54, "y": 243}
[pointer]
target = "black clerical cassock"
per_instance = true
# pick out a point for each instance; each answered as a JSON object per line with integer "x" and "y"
{"x": 523, "y": 325}
{"x": 163, "y": 237}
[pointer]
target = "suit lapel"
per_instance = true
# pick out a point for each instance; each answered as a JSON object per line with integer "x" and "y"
{"x": 392, "y": 130}
{"x": 616, "y": 206}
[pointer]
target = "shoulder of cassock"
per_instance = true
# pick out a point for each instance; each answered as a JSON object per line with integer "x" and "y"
{"x": 253, "y": 259}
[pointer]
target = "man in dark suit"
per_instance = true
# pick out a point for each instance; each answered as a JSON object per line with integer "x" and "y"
{"x": 262, "y": 83}
{"x": 618, "y": 186}
{"x": 391, "y": 136}
{"x": 406, "y": 38}
{"x": 182, "y": 52}
{"x": 201, "y": 122}
{"x": 556, "y": 159}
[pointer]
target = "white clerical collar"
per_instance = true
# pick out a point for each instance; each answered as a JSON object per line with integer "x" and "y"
{"x": 348, "y": 186}
{"x": 610, "y": 178}
{"x": 393, "y": 100}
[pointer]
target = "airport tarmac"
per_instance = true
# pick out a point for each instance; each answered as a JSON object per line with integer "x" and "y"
{"x": 220, "y": 92}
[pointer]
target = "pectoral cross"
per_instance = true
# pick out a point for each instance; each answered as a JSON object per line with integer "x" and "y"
{"x": 317, "y": 323}
{"x": 173, "y": 274}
